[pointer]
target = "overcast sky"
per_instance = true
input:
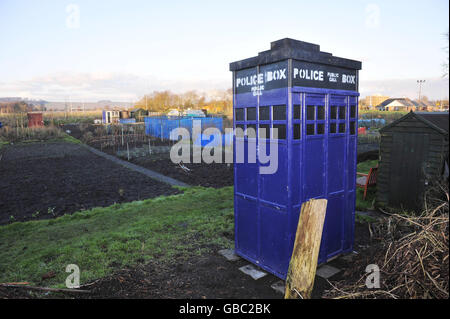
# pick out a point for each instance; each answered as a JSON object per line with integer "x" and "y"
{"x": 118, "y": 50}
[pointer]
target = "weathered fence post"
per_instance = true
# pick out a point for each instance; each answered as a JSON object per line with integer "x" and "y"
{"x": 303, "y": 264}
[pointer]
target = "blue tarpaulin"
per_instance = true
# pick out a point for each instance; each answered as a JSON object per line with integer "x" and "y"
{"x": 127, "y": 121}
{"x": 161, "y": 127}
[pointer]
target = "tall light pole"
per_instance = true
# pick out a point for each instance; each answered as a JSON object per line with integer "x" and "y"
{"x": 420, "y": 82}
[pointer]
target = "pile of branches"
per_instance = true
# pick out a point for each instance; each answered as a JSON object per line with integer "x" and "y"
{"x": 412, "y": 255}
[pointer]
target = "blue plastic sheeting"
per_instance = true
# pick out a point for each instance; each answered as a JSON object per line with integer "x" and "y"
{"x": 214, "y": 140}
{"x": 372, "y": 122}
{"x": 161, "y": 127}
{"x": 127, "y": 121}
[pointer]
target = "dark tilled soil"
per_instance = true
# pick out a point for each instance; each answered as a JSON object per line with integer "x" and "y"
{"x": 40, "y": 181}
{"x": 208, "y": 175}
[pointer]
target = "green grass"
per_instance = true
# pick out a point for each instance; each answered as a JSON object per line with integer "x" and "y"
{"x": 3, "y": 143}
{"x": 363, "y": 219}
{"x": 67, "y": 138}
{"x": 364, "y": 205}
{"x": 103, "y": 240}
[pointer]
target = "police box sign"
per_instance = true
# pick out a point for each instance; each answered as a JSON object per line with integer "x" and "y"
{"x": 270, "y": 76}
{"x": 275, "y": 75}
{"x": 323, "y": 76}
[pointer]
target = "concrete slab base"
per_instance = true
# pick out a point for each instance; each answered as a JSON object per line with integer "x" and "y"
{"x": 253, "y": 272}
{"x": 349, "y": 257}
{"x": 327, "y": 271}
{"x": 279, "y": 287}
{"x": 229, "y": 254}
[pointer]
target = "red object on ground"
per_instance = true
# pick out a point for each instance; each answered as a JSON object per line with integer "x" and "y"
{"x": 35, "y": 120}
{"x": 361, "y": 130}
{"x": 367, "y": 180}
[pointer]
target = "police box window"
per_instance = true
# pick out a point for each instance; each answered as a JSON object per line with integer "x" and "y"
{"x": 352, "y": 111}
{"x": 297, "y": 112}
{"x": 239, "y": 114}
{"x": 321, "y": 112}
{"x": 264, "y": 131}
{"x": 352, "y": 128}
{"x": 333, "y": 112}
{"x": 297, "y": 131}
{"x": 332, "y": 128}
{"x": 264, "y": 113}
{"x": 240, "y": 130}
{"x": 321, "y": 128}
{"x": 281, "y": 128}
{"x": 251, "y": 131}
{"x": 310, "y": 113}
{"x": 309, "y": 129}
{"x": 279, "y": 112}
{"x": 251, "y": 114}
{"x": 342, "y": 113}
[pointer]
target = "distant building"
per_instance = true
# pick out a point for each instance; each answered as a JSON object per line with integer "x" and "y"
{"x": 35, "y": 119}
{"x": 373, "y": 100}
{"x": 399, "y": 104}
{"x": 194, "y": 113}
{"x": 110, "y": 117}
{"x": 139, "y": 114}
{"x": 174, "y": 112}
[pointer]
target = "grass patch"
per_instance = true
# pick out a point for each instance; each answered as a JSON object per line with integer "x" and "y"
{"x": 367, "y": 204}
{"x": 364, "y": 219}
{"x": 103, "y": 240}
{"x": 3, "y": 143}
{"x": 67, "y": 138}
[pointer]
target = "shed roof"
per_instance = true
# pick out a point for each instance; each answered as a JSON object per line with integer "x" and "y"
{"x": 405, "y": 101}
{"x": 435, "y": 120}
{"x": 440, "y": 119}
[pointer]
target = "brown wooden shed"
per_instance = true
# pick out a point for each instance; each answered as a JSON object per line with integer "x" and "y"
{"x": 413, "y": 153}
{"x": 35, "y": 119}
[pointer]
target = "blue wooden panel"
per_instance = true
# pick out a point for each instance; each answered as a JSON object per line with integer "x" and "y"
{"x": 246, "y": 99}
{"x": 336, "y": 163}
{"x": 246, "y": 181}
{"x": 246, "y": 220}
{"x": 333, "y": 228}
{"x": 274, "y": 186}
{"x": 295, "y": 173}
{"x": 351, "y": 163}
{"x": 274, "y": 97}
{"x": 274, "y": 239}
{"x": 314, "y": 168}
{"x": 349, "y": 221}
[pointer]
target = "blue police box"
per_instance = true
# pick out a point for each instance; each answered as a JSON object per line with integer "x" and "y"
{"x": 310, "y": 98}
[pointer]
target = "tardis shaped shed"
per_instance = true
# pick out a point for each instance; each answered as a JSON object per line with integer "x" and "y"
{"x": 311, "y": 99}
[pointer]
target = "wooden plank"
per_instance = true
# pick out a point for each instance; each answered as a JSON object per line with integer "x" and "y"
{"x": 303, "y": 264}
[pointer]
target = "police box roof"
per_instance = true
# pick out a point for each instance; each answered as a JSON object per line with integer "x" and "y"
{"x": 294, "y": 49}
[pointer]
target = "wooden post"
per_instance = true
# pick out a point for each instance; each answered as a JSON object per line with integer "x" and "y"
{"x": 303, "y": 264}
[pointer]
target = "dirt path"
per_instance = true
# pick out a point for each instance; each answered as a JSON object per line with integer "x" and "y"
{"x": 139, "y": 169}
